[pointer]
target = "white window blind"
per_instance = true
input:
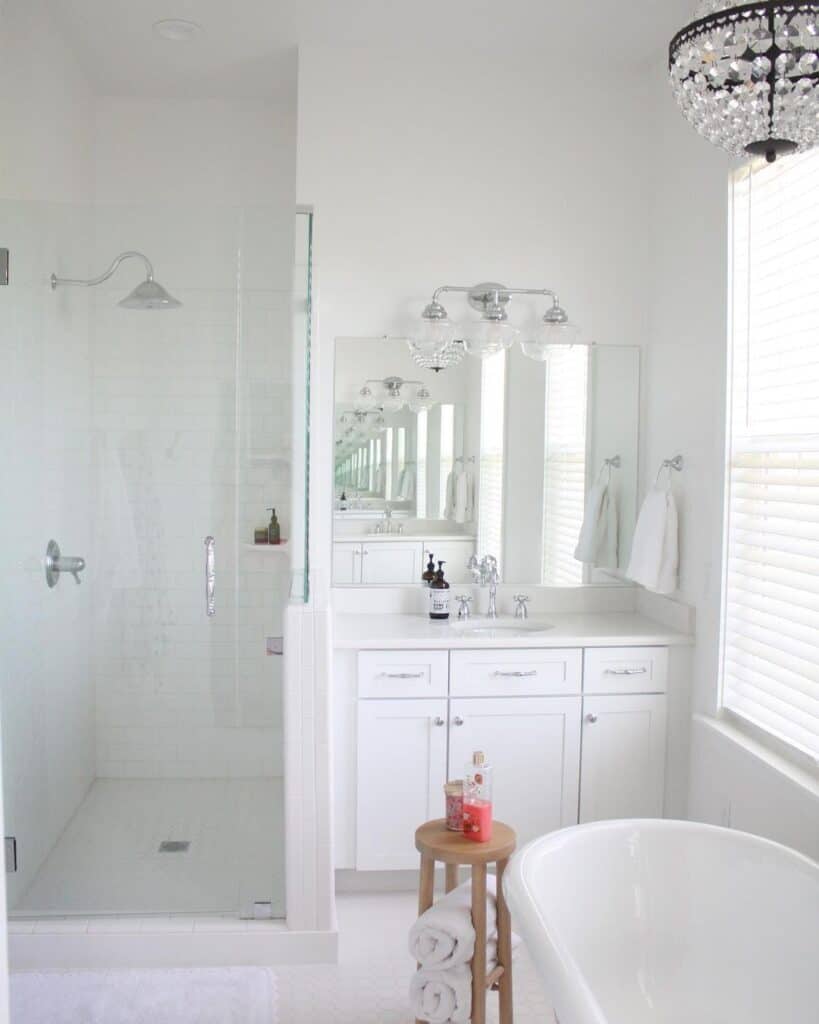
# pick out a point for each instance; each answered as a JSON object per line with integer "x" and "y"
{"x": 564, "y": 484}
{"x": 770, "y": 672}
{"x": 490, "y": 470}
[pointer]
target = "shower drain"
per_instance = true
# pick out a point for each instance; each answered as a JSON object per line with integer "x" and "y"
{"x": 174, "y": 845}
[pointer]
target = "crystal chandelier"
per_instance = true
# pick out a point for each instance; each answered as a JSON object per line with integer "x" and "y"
{"x": 439, "y": 343}
{"x": 747, "y": 76}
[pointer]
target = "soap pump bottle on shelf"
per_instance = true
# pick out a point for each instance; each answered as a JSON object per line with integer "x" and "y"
{"x": 274, "y": 533}
{"x": 428, "y": 575}
{"x": 478, "y": 799}
{"x": 439, "y": 595}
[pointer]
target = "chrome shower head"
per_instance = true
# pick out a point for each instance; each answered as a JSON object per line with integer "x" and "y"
{"x": 147, "y": 295}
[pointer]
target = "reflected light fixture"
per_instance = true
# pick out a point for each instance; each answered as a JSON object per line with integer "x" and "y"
{"x": 435, "y": 340}
{"x": 746, "y": 76}
{"x": 149, "y": 294}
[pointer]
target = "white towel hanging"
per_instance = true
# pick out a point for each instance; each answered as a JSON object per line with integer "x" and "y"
{"x": 655, "y": 547}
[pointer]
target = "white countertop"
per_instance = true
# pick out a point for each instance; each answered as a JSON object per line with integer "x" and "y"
{"x": 419, "y": 632}
{"x": 375, "y": 538}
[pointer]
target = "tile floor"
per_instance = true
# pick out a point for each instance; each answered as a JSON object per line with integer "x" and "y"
{"x": 369, "y": 985}
{"x": 107, "y": 860}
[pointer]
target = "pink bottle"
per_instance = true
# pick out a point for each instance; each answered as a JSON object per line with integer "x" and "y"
{"x": 478, "y": 799}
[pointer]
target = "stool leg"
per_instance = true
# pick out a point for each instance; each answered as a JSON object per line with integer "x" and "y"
{"x": 451, "y": 877}
{"x": 426, "y": 891}
{"x": 426, "y": 887}
{"x": 504, "y": 950}
{"x": 479, "y": 959}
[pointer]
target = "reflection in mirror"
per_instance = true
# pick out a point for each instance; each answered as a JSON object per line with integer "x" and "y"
{"x": 534, "y": 463}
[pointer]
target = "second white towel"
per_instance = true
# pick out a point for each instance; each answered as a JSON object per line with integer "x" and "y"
{"x": 443, "y": 936}
{"x": 442, "y": 996}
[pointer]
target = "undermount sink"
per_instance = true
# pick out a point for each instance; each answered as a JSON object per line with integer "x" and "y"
{"x": 500, "y": 627}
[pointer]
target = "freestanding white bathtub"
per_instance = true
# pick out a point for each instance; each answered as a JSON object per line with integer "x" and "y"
{"x": 669, "y": 922}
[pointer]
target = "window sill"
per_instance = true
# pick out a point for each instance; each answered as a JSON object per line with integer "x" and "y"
{"x": 798, "y": 768}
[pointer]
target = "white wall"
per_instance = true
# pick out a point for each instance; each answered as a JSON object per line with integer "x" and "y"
{"x": 192, "y": 421}
{"x": 684, "y": 411}
{"x": 46, "y": 177}
{"x": 429, "y": 169}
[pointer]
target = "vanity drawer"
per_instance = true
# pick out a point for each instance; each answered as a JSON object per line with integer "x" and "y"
{"x": 625, "y": 669}
{"x": 402, "y": 674}
{"x": 517, "y": 673}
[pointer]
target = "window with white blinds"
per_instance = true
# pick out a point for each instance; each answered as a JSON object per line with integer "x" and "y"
{"x": 770, "y": 671}
{"x": 564, "y": 484}
{"x": 490, "y": 470}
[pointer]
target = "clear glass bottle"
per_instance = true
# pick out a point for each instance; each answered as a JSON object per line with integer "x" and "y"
{"x": 478, "y": 799}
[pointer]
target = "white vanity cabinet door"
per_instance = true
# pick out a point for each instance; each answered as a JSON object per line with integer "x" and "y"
{"x": 533, "y": 744}
{"x": 456, "y": 554}
{"x": 401, "y": 772}
{"x": 387, "y": 562}
{"x": 623, "y": 763}
{"x": 346, "y": 563}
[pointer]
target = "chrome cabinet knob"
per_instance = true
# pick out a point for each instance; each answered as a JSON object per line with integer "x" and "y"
{"x": 457, "y": 720}
{"x": 591, "y": 718}
{"x": 438, "y": 721}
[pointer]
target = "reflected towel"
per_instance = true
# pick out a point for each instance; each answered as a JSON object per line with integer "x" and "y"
{"x": 655, "y": 547}
{"x": 442, "y": 996}
{"x": 597, "y": 543}
{"x": 443, "y": 936}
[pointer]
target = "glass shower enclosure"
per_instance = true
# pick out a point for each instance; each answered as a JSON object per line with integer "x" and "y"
{"x": 142, "y": 695}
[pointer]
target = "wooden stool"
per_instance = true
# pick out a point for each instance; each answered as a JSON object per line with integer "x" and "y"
{"x": 435, "y": 843}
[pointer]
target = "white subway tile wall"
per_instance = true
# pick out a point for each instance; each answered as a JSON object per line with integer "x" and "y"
{"x": 191, "y": 424}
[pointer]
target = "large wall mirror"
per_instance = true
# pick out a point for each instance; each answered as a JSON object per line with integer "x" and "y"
{"x": 494, "y": 456}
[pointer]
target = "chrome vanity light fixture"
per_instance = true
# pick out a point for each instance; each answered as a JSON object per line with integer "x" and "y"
{"x": 148, "y": 295}
{"x": 393, "y": 399}
{"x": 746, "y": 76}
{"x": 436, "y": 347}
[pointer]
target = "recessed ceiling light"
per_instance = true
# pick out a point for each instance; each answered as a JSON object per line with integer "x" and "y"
{"x": 176, "y": 29}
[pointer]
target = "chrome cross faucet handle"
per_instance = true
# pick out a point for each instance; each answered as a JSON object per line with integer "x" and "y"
{"x": 521, "y": 609}
{"x": 464, "y": 602}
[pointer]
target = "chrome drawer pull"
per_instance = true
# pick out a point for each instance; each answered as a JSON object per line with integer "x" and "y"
{"x": 591, "y": 718}
{"x": 403, "y": 675}
{"x": 516, "y": 675}
{"x": 457, "y": 720}
{"x": 625, "y": 671}
{"x": 438, "y": 721}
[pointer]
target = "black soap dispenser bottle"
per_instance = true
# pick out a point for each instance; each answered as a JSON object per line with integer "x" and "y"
{"x": 439, "y": 595}
{"x": 274, "y": 533}
{"x": 428, "y": 576}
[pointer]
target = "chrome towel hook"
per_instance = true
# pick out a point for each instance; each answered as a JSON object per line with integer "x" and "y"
{"x": 676, "y": 464}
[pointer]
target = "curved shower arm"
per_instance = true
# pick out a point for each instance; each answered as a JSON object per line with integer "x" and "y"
{"x": 108, "y": 273}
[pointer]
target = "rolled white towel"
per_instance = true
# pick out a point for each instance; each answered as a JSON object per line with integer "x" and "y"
{"x": 443, "y": 936}
{"x": 442, "y": 996}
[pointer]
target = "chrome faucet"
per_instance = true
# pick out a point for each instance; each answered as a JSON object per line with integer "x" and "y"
{"x": 485, "y": 573}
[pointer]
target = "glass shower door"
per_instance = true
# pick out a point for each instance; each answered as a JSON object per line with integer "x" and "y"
{"x": 143, "y": 752}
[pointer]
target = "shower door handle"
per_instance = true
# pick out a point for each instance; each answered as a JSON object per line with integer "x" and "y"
{"x": 210, "y": 577}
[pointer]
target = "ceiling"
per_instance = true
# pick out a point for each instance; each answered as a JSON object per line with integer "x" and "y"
{"x": 248, "y": 47}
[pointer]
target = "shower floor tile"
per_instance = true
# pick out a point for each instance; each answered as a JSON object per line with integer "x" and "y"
{"x": 107, "y": 861}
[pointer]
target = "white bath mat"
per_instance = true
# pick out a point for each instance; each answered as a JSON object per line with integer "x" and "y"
{"x": 222, "y": 995}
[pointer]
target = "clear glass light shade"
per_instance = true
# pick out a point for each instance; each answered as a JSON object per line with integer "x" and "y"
{"x": 365, "y": 401}
{"x": 747, "y": 78}
{"x": 432, "y": 336}
{"x": 421, "y": 400}
{"x": 541, "y": 342}
{"x": 392, "y": 403}
{"x": 483, "y": 338}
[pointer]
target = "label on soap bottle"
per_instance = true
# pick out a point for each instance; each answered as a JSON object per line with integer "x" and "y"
{"x": 439, "y": 602}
